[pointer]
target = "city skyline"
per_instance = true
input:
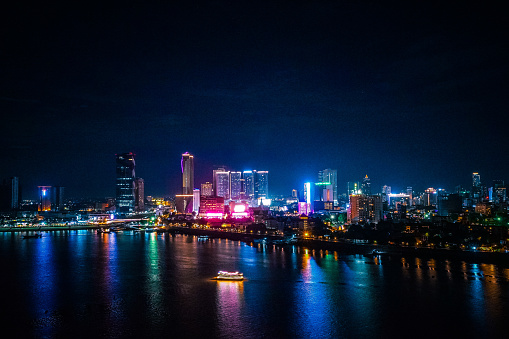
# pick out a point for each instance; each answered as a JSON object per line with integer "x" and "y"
{"x": 125, "y": 164}
{"x": 412, "y": 94}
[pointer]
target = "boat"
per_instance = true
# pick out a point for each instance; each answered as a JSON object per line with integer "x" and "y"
{"x": 224, "y": 275}
{"x": 37, "y": 235}
{"x": 104, "y": 230}
{"x": 203, "y": 237}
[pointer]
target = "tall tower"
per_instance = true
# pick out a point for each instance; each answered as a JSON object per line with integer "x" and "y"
{"x": 330, "y": 176}
{"x": 125, "y": 182}
{"x": 248, "y": 183}
{"x": 222, "y": 183}
{"x": 15, "y": 196}
{"x": 44, "y": 198}
{"x": 235, "y": 185}
{"x": 366, "y": 186}
{"x": 261, "y": 184}
{"x": 187, "y": 165}
{"x": 139, "y": 194}
{"x": 476, "y": 187}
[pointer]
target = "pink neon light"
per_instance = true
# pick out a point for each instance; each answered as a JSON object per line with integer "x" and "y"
{"x": 214, "y": 215}
{"x": 239, "y": 208}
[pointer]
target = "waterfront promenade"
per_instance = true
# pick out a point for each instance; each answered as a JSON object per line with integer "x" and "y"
{"x": 339, "y": 246}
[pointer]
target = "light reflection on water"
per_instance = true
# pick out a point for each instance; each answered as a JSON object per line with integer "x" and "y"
{"x": 144, "y": 284}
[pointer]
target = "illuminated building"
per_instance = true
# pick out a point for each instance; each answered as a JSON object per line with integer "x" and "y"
{"x": 239, "y": 209}
{"x": 125, "y": 200}
{"x": 366, "y": 186}
{"x": 44, "y": 198}
{"x": 330, "y": 176}
{"x": 196, "y": 201}
{"x": 499, "y": 191}
{"x": 476, "y": 193}
{"x": 429, "y": 197}
{"x": 222, "y": 183}
{"x": 139, "y": 194}
{"x": 353, "y": 188}
{"x": 206, "y": 189}
{"x": 211, "y": 207}
{"x": 308, "y": 198}
{"x": 398, "y": 198}
{"x": 235, "y": 185}
{"x": 184, "y": 203}
{"x": 248, "y": 183}
{"x": 365, "y": 209}
{"x": 187, "y": 165}
{"x": 386, "y": 191}
{"x": 261, "y": 184}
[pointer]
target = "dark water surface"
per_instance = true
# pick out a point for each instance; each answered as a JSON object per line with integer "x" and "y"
{"x": 72, "y": 284}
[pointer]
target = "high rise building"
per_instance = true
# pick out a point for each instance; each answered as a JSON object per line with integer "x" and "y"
{"x": 222, "y": 183}
{"x": 125, "y": 199}
{"x": 44, "y": 198}
{"x": 235, "y": 185}
{"x": 139, "y": 194}
{"x": 261, "y": 184}
{"x": 366, "y": 186}
{"x": 365, "y": 209}
{"x": 15, "y": 193}
{"x": 476, "y": 193}
{"x": 248, "y": 182}
{"x": 57, "y": 198}
{"x": 499, "y": 191}
{"x": 196, "y": 201}
{"x": 187, "y": 165}
{"x": 329, "y": 176}
{"x": 206, "y": 189}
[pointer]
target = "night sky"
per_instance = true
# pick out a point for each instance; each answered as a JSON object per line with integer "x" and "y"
{"x": 411, "y": 93}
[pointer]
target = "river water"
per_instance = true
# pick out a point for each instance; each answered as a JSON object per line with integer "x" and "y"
{"x": 71, "y": 284}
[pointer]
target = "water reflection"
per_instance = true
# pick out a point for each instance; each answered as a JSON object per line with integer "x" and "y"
{"x": 314, "y": 309}
{"x": 230, "y": 304}
{"x": 43, "y": 285}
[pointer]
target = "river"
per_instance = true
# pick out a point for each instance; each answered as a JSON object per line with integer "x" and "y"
{"x": 71, "y": 284}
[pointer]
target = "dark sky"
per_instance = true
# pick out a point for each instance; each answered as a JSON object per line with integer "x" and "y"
{"x": 411, "y": 93}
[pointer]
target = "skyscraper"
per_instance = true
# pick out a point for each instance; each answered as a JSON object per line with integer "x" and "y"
{"x": 248, "y": 188}
{"x": 261, "y": 184}
{"x": 476, "y": 194}
{"x": 329, "y": 176}
{"x": 57, "y": 198}
{"x": 366, "y": 186}
{"x": 125, "y": 201}
{"x": 139, "y": 194}
{"x": 15, "y": 196}
{"x": 44, "y": 198}
{"x": 235, "y": 185}
{"x": 222, "y": 183}
{"x": 187, "y": 165}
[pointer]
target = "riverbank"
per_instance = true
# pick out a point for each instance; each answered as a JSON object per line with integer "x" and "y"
{"x": 50, "y": 228}
{"x": 353, "y": 248}
{"x": 313, "y": 244}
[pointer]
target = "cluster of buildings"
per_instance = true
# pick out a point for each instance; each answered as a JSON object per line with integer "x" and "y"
{"x": 230, "y": 192}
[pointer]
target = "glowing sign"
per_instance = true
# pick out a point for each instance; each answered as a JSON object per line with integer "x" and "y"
{"x": 214, "y": 215}
{"x": 239, "y": 208}
{"x": 240, "y": 215}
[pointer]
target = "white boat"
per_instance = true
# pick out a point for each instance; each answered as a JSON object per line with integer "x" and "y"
{"x": 223, "y": 275}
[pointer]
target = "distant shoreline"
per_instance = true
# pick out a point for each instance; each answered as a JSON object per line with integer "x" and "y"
{"x": 316, "y": 244}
